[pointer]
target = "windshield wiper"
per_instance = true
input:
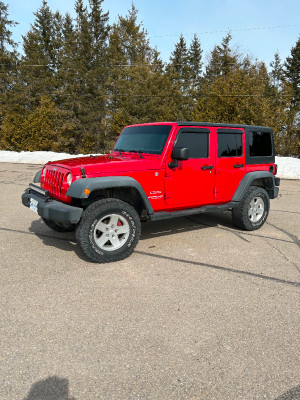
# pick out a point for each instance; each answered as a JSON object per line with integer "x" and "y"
{"x": 135, "y": 151}
{"x": 119, "y": 150}
{"x": 128, "y": 151}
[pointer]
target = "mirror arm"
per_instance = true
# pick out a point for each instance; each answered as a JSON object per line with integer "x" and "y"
{"x": 173, "y": 164}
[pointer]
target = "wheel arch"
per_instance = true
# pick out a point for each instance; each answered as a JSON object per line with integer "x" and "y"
{"x": 123, "y": 188}
{"x": 37, "y": 177}
{"x": 262, "y": 179}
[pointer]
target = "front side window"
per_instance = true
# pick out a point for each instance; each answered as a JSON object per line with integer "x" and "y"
{"x": 230, "y": 144}
{"x": 196, "y": 141}
{"x": 145, "y": 139}
{"x": 260, "y": 144}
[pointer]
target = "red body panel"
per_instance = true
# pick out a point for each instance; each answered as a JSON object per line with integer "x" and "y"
{"x": 185, "y": 186}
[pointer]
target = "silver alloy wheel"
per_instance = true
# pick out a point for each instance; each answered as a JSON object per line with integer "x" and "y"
{"x": 256, "y": 209}
{"x": 111, "y": 232}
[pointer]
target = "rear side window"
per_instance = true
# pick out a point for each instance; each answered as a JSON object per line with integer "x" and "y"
{"x": 260, "y": 144}
{"x": 230, "y": 144}
{"x": 196, "y": 140}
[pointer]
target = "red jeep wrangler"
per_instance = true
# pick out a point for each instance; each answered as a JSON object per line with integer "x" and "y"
{"x": 156, "y": 171}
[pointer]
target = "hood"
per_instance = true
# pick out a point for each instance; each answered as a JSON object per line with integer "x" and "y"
{"x": 99, "y": 165}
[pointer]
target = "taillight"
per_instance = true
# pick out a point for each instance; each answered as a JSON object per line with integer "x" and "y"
{"x": 273, "y": 169}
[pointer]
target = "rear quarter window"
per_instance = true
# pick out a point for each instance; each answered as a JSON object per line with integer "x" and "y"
{"x": 260, "y": 144}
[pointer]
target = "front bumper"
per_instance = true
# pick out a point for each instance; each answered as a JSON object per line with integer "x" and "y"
{"x": 49, "y": 208}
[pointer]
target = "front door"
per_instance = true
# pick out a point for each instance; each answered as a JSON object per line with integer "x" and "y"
{"x": 192, "y": 181}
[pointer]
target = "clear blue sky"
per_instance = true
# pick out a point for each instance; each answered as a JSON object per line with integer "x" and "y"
{"x": 165, "y": 20}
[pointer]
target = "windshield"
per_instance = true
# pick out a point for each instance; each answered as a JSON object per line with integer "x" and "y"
{"x": 144, "y": 139}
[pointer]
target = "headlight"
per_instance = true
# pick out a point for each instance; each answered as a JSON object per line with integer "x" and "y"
{"x": 69, "y": 179}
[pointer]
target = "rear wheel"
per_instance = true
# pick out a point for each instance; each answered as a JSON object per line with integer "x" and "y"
{"x": 109, "y": 230}
{"x": 252, "y": 211}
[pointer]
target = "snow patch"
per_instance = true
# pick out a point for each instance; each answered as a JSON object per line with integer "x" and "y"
{"x": 288, "y": 167}
{"x": 34, "y": 157}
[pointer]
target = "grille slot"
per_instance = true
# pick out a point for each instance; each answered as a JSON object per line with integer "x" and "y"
{"x": 53, "y": 181}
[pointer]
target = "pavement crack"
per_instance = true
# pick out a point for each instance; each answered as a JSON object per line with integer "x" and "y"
{"x": 284, "y": 211}
{"x": 284, "y": 256}
{"x": 220, "y": 268}
{"x": 290, "y": 235}
{"x": 219, "y": 227}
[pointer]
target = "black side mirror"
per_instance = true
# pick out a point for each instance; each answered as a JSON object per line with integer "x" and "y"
{"x": 179, "y": 153}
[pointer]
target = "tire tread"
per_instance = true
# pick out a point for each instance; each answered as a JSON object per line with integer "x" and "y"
{"x": 89, "y": 213}
{"x": 240, "y": 213}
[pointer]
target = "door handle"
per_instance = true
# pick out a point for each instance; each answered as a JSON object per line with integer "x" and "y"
{"x": 207, "y": 167}
{"x": 238, "y": 165}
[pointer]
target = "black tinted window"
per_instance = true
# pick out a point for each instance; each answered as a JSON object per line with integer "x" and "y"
{"x": 146, "y": 139}
{"x": 260, "y": 144}
{"x": 230, "y": 145}
{"x": 197, "y": 142}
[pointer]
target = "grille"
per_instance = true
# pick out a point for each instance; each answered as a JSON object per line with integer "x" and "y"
{"x": 53, "y": 182}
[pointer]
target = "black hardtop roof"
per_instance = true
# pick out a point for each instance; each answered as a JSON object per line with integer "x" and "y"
{"x": 191, "y": 123}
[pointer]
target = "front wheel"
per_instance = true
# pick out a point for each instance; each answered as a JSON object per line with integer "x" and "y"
{"x": 109, "y": 230}
{"x": 252, "y": 211}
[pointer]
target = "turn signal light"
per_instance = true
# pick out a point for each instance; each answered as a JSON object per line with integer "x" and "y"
{"x": 87, "y": 191}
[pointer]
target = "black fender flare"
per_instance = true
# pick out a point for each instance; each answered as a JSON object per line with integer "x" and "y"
{"x": 249, "y": 178}
{"x": 37, "y": 177}
{"x": 78, "y": 187}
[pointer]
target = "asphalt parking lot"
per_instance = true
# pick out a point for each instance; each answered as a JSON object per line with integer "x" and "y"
{"x": 201, "y": 310}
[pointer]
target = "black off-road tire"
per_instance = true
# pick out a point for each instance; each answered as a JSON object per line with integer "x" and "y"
{"x": 98, "y": 214}
{"x": 240, "y": 214}
{"x": 58, "y": 228}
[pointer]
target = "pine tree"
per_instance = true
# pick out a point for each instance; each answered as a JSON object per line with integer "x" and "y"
{"x": 83, "y": 73}
{"x": 276, "y": 73}
{"x": 98, "y": 74}
{"x": 195, "y": 63}
{"x": 67, "y": 71}
{"x": 241, "y": 96}
{"x": 292, "y": 72}
{"x": 8, "y": 63}
{"x": 39, "y": 63}
{"x": 136, "y": 85}
{"x": 222, "y": 60}
{"x": 179, "y": 73}
{"x": 292, "y": 77}
{"x": 179, "y": 65}
{"x": 46, "y": 128}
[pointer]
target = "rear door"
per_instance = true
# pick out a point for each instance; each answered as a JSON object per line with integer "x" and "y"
{"x": 192, "y": 182}
{"x": 230, "y": 162}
